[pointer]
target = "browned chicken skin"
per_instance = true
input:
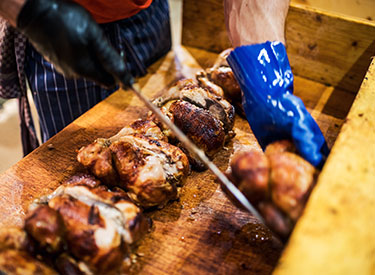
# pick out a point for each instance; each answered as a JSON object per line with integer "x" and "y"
{"x": 97, "y": 158}
{"x": 219, "y": 79}
{"x": 18, "y": 262}
{"x": 204, "y": 116}
{"x": 90, "y": 225}
{"x": 150, "y": 170}
{"x": 91, "y": 236}
{"x": 144, "y": 164}
{"x": 46, "y": 226}
{"x": 277, "y": 182}
{"x": 190, "y": 119}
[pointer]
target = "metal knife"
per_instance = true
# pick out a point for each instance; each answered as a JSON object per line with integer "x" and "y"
{"x": 193, "y": 149}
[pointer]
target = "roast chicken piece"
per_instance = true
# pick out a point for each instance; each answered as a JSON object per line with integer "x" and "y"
{"x": 145, "y": 165}
{"x": 204, "y": 117}
{"x": 19, "y": 262}
{"x": 17, "y": 239}
{"x": 91, "y": 235}
{"x": 46, "y": 226}
{"x": 220, "y": 80}
{"x": 96, "y": 226}
{"x": 278, "y": 183}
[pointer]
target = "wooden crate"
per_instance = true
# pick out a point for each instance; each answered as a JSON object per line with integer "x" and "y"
{"x": 203, "y": 233}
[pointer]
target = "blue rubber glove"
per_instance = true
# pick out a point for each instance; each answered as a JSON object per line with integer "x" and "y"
{"x": 273, "y": 112}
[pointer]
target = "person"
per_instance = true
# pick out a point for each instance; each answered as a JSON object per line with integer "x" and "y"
{"x": 260, "y": 63}
{"x": 70, "y": 62}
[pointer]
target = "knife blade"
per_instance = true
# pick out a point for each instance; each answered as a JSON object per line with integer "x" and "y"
{"x": 193, "y": 149}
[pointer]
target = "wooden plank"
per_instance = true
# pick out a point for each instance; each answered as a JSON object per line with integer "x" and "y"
{"x": 323, "y": 47}
{"x": 202, "y": 233}
{"x": 336, "y": 233}
{"x": 364, "y": 9}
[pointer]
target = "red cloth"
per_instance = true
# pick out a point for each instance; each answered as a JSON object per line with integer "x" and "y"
{"x": 105, "y": 11}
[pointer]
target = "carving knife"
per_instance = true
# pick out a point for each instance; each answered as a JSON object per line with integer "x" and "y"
{"x": 192, "y": 148}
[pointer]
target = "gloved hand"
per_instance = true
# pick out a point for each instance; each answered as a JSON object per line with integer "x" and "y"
{"x": 273, "y": 112}
{"x": 66, "y": 35}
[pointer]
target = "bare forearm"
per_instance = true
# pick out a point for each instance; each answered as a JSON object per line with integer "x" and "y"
{"x": 255, "y": 21}
{"x": 9, "y": 9}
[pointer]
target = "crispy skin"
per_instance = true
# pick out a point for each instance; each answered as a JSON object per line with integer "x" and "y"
{"x": 201, "y": 127}
{"x": 91, "y": 237}
{"x": 188, "y": 90}
{"x": 130, "y": 221}
{"x": 46, "y": 226}
{"x": 223, "y": 77}
{"x": 67, "y": 265}
{"x": 280, "y": 147}
{"x": 206, "y": 83}
{"x": 144, "y": 164}
{"x": 149, "y": 169}
{"x": 291, "y": 181}
{"x": 145, "y": 127}
{"x": 20, "y": 262}
{"x": 250, "y": 171}
{"x": 277, "y": 182}
{"x": 97, "y": 158}
{"x": 275, "y": 219}
{"x": 83, "y": 179}
{"x": 15, "y": 238}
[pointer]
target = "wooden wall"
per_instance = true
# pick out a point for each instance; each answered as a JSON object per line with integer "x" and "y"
{"x": 323, "y": 47}
{"x": 364, "y": 9}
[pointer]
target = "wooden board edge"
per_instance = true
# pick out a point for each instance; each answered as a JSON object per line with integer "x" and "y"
{"x": 336, "y": 233}
{"x": 333, "y": 14}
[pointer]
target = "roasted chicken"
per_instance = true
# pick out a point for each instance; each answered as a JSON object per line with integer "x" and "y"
{"x": 277, "y": 182}
{"x": 220, "y": 80}
{"x": 18, "y": 262}
{"x": 89, "y": 226}
{"x": 204, "y": 117}
{"x": 139, "y": 160}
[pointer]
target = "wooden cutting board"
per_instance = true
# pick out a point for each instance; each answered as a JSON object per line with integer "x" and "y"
{"x": 200, "y": 233}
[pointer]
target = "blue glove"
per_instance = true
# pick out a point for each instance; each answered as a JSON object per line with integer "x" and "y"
{"x": 273, "y": 112}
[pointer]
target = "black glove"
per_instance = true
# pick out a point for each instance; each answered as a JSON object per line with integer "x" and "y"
{"x": 66, "y": 35}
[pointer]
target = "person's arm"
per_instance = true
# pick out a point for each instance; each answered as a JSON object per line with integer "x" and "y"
{"x": 255, "y": 21}
{"x": 66, "y": 34}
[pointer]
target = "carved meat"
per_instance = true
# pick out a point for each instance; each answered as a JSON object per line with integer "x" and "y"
{"x": 17, "y": 239}
{"x": 95, "y": 225}
{"x": 91, "y": 236}
{"x": 277, "y": 182}
{"x": 204, "y": 117}
{"x": 220, "y": 80}
{"x": 97, "y": 158}
{"x": 291, "y": 181}
{"x": 150, "y": 170}
{"x": 146, "y": 166}
{"x": 46, "y": 226}
{"x": 19, "y": 262}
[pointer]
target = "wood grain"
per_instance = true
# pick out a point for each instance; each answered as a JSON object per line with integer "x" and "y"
{"x": 364, "y": 9}
{"x": 202, "y": 232}
{"x": 336, "y": 233}
{"x": 322, "y": 46}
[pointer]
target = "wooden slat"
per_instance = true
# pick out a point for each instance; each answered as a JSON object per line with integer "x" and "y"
{"x": 322, "y": 46}
{"x": 336, "y": 233}
{"x": 364, "y": 9}
{"x": 202, "y": 233}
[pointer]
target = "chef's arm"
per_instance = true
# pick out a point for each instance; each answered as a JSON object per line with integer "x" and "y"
{"x": 261, "y": 66}
{"x": 66, "y": 34}
{"x": 255, "y": 21}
